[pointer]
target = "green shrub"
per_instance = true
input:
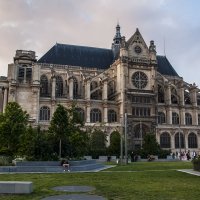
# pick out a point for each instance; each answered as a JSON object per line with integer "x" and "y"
{"x": 196, "y": 163}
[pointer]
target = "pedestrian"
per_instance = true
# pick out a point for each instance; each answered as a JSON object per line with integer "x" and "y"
{"x": 65, "y": 164}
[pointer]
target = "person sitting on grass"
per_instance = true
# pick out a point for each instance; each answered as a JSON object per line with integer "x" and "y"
{"x": 65, "y": 165}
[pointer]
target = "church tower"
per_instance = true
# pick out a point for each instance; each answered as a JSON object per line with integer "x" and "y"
{"x": 116, "y": 42}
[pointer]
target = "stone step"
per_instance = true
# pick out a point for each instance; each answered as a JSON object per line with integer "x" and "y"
{"x": 15, "y": 187}
{"x": 73, "y": 168}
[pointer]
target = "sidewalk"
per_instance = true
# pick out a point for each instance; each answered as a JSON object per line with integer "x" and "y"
{"x": 190, "y": 171}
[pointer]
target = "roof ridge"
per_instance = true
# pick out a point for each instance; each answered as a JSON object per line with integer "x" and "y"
{"x": 81, "y": 46}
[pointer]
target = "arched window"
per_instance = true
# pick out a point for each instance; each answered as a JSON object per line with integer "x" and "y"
{"x": 192, "y": 140}
{"x": 44, "y": 113}
{"x": 81, "y": 114}
{"x": 188, "y": 119}
{"x": 165, "y": 140}
{"x": 95, "y": 115}
{"x": 112, "y": 116}
{"x": 75, "y": 88}
{"x": 161, "y": 98}
{"x": 161, "y": 118}
{"x": 24, "y": 73}
{"x": 187, "y": 97}
{"x": 140, "y": 130}
{"x": 179, "y": 137}
{"x": 174, "y": 99}
{"x": 59, "y": 86}
{"x": 43, "y": 86}
{"x": 175, "y": 118}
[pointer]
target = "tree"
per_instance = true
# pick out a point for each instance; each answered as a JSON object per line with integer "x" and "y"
{"x": 114, "y": 147}
{"x": 36, "y": 145}
{"x": 59, "y": 126}
{"x": 79, "y": 144}
{"x": 13, "y": 124}
{"x": 97, "y": 142}
{"x": 150, "y": 145}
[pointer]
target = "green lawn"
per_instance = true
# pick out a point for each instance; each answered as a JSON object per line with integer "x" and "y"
{"x": 137, "y": 181}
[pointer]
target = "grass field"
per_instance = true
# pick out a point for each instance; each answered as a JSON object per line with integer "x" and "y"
{"x": 136, "y": 181}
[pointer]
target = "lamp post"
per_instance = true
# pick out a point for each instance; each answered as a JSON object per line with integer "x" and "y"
{"x": 121, "y": 147}
{"x": 179, "y": 129}
{"x": 179, "y": 141}
{"x": 125, "y": 139}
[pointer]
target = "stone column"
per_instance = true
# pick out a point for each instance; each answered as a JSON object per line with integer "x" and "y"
{"x": 12, "y": 93}
{"x": 35, "y": 103}
{"x": 105, "y": 90}
{"x": 193, "y": 97}
{"x": 181, "y": 97}
{"x": 158, "y": 136}
{"x": 53, "y": 89}
{"x": 182, "y": 116}
{"x": 185, "y": 135}
{"x": 195, "y": 117}
{"x": 71, "y": 87}
{"x": 88, "y": 113}
{"x": 36, "y": 77}
{"x": 12, "y": 73}
{"x": 87, "y": 90}
{"x": 168, "y": 95}
{"x": 172, "y": 142}
{"x": 53, "y": 105}
{"x": 105, "y": 113}
{"x": 5, "y": 98}
{"x": 169, "y": 115}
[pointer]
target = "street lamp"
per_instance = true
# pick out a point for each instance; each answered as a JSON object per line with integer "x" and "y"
{"x": 179, "y": 131}
{"x": 125, "y": 139}
{"x": 121, "y": 147}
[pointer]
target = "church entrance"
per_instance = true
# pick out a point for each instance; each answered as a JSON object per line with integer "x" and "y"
{"x": 136, "y": 134}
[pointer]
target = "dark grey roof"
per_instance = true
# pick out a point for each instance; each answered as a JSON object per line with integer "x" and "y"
{"x": 164, "y": 66}
{"x": 78, "y": 56}
{"x": 65, "y": 54}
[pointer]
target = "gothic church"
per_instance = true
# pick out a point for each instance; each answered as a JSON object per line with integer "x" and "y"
{"x": 105, "y": 84}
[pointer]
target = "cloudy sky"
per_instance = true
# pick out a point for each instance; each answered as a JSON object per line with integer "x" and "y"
{"x": 38, "y": 24}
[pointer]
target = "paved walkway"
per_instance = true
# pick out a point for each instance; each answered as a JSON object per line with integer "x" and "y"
{"x": 190, "y": 171}
{"x": 75, "y": 197}
{"x": 74, "y": 188}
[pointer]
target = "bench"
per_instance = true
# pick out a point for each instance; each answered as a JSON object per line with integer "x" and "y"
{"x": 15, "y": 187}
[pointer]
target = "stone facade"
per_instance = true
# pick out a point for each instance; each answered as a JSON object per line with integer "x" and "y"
{"x": 137, "y": 82}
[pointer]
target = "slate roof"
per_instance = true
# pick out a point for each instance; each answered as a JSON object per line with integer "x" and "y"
{"x": 65, "y": 54}
{"x": 164, "y": 66}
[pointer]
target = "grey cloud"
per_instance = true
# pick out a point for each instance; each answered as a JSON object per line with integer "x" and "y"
{"x": 39, "y": 24}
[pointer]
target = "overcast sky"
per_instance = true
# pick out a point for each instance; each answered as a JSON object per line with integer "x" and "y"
{"x": 38, "y": 24}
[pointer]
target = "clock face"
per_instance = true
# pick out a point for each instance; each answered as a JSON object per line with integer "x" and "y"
{"x": 139, "y": 80}
{"x": 138, "y": 49}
